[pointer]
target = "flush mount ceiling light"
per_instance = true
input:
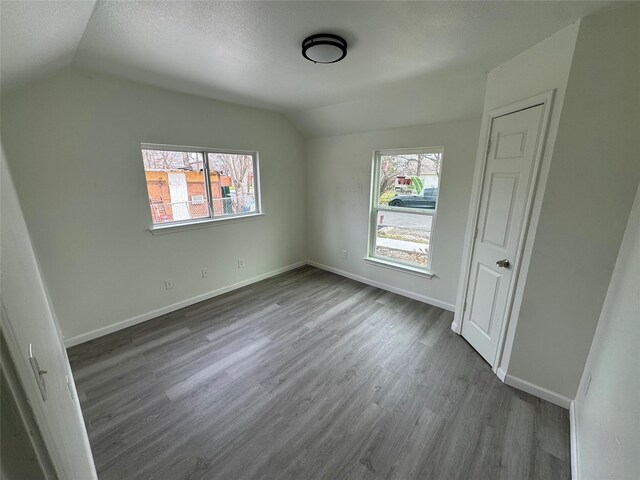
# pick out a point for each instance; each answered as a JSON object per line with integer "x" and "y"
{"x": 324, "y": 48}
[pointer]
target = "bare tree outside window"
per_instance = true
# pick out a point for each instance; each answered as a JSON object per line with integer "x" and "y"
{"x": 163, "y": 160}
{"x": 190, "y": 184}
{"x": 409, "y": 165}
{"x": 405, "y": 206}
{"x": 240, "y": 169}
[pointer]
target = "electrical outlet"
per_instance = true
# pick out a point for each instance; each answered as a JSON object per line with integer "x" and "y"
{"x": 241, "y": 263}
{"x": 205, "y": 273}
{"x": 587, "y": 384}
{"x": 168, "y": 284}
{"x": 344, "y": 254}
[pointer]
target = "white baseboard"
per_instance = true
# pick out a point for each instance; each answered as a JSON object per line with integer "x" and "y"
{"x": 99, "y": 332}
{"x": 502, "y": 374}
{"x": 573, "y": 436}
{"x": 455, "y": 327}
{"x": 384, "y": 286}
{"x": 537, "y": 390}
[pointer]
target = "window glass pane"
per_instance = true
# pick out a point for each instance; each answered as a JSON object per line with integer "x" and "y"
{"x": 409, "y": 180}
{"x": 232, "y": 185}
{"x": 403, "y": 237}
{"x": 175, "y": 184}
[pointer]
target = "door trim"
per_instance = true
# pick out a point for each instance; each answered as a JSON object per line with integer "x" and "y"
{"x": 25, "y": 412}
{"x": 42, "y": 438}
{"x": 509, "y": 320}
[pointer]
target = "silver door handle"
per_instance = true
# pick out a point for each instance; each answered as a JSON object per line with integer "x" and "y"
{"x": 38, "y": 373}
{"x": 503, "y": 263}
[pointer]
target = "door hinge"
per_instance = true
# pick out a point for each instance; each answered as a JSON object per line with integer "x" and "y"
{"x": 464, "y": 307}
{"x": 488, "y": 146}
{"x": 475, "y": 235}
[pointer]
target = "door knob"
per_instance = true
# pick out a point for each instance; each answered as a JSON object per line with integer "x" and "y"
{"x": 503, "y": 263}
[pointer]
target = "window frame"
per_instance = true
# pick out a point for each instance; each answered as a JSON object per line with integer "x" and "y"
{"x": 208, "y": 198}
{"x": 374, "y": 208}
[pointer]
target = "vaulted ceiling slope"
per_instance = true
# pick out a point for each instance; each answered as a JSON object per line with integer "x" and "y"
{"x": 38, "y": 38}
{"x": 408, "y": 62}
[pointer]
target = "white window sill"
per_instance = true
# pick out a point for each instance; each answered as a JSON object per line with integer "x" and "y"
{"x": 398, "y": 266}
{"x": 207, "y": 222}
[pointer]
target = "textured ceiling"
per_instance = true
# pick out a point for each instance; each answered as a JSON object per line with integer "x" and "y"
{"x": 249, "y": 52}
{"x": 37, "y": 38}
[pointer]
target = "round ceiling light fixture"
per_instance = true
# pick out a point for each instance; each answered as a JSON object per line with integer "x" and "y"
{"x": 324, "y": 48}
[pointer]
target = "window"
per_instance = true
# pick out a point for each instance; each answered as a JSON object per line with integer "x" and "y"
{"x": 190, "y": 185}
{"x": 404, "y": 203}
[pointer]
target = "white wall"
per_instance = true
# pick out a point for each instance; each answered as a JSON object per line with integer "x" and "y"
{"x": 339, "y": 182}
{"x": 541, "y": 68}
{"x": 73, "y": 142}
{"x": 591, "y": 185}
{"x": 607, "y": 418}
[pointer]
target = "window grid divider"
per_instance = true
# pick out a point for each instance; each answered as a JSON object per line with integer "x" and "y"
{"x": 376, "y": 207}
{"x": 255, "y": 184}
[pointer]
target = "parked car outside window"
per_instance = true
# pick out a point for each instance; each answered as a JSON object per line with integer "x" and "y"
{"x": 428, "y": 199}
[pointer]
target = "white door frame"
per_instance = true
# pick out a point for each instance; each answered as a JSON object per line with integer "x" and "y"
{"x": 41, "y": 438}
{"x": 510, "y": 317}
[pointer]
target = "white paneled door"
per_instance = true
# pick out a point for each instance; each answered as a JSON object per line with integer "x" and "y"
{"x": 179, "y": 193}
{"x": 508, "y": 176}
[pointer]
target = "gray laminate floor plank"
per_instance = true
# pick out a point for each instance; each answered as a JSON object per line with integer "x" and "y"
{"x": 308, "y": 375}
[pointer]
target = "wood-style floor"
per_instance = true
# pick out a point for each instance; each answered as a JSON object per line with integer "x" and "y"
{"x": 308, "y": 375}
